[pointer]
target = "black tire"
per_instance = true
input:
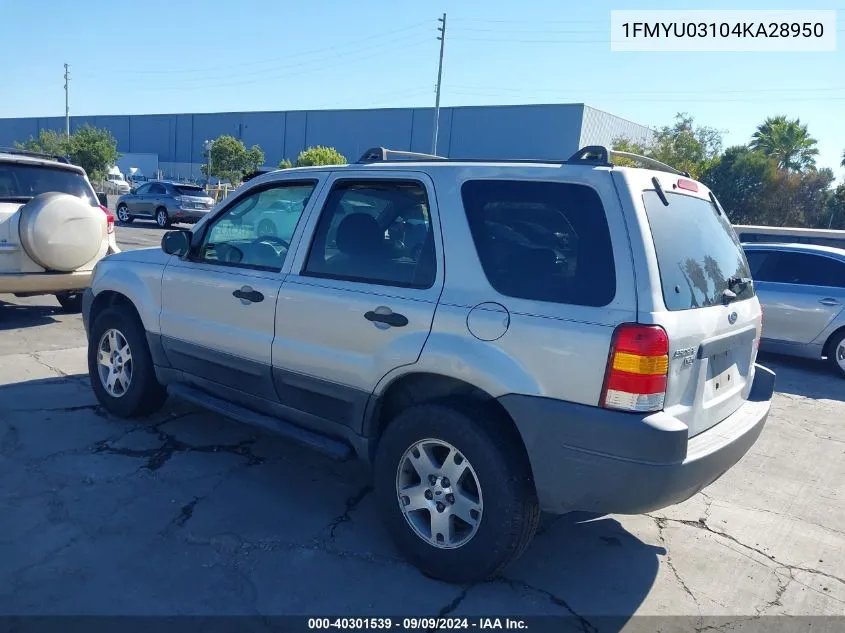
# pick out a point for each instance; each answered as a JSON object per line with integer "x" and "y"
{"x": 71, "y": 302}
{"x": 145, "y": 394}
{"x": 158, "y": 217}
{"x": 125, "y": 209}
{"x": 510, "y": 509}
{"x": 837, "y": 341}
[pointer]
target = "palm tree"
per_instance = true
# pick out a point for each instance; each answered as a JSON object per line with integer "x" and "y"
{"x": 786, "y": 141}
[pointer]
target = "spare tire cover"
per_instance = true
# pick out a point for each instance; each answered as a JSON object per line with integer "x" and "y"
{"x": 61, "y": 232}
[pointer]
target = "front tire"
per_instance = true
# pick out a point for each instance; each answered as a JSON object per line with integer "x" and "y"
{"x": 836, "y": 355}
{"x": 71, "y": 302}
{"x": 123, "y": 214}
{"x": 120, "y": 366}
{"x": 455, "y": 490}
{"x": 162, "y": 219}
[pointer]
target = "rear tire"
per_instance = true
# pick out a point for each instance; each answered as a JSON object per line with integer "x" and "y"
{"x": 71, "y": 302}
{"x": 500, "y": 498}
{"x": 836, "y": 354}
{"x": 140, "y": 393}
{"x": 161, "y": 218}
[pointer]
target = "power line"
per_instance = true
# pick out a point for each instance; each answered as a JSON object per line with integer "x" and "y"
{"x": 523, "y": 90}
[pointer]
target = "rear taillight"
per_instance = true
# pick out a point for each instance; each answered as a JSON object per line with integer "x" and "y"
{"x": 109, "y": 219}
{"x": 637, "y": 369}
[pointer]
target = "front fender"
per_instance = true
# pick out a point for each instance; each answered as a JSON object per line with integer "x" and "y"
{"x": 138, "y": 282}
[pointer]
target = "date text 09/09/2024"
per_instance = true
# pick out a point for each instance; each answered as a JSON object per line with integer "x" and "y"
{"x": 412, "y": 624}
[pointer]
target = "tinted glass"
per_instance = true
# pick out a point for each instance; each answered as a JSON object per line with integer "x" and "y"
{"x": 375, "y": 232}
{"x": 28, "y": 181}
{"x": 804, "y": 269}
{"x": 142, "y": 190}
{"x": 543, "y": 241}
{"x": 157, "y": 188}
{"x": 698, "y": 252}
{"x": 756, "y": 259}
{"x": 189, "y": 190}
{"x": 792, "y": 239}
{"x": 256, "y": 230}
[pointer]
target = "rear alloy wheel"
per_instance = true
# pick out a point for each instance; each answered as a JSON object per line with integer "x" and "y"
{"x": 162, "y": 219}
{"x": 454, "y": 488}
{"x": 120, "y": 366}
{"x": 836, "y": 356}
{"x": 70, "y": 301}
{"x": 123, "y": 214}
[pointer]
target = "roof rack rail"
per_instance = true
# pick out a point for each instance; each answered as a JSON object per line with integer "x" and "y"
{"x": 590, "y": 155}
{"x": 650, "y": 162}
{"x": 26, "y": 152}
{"x": 382, "y": 154}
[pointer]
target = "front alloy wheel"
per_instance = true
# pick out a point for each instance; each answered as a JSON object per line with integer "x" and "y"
{"x": 439, "y": 493}
{"x": 114, "y": 363}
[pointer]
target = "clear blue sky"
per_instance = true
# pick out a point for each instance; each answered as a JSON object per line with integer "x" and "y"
{"x": 155, "y": 56}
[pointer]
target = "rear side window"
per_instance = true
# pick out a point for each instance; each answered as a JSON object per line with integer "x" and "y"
{"x": 28, "y": 181}
{"x": 698, "y": 253}
{"x": 544, "y": 241}
{"x": 803, "y": 269}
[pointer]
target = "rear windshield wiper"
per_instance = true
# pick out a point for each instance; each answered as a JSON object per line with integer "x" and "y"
{"x": 738, "y": 282}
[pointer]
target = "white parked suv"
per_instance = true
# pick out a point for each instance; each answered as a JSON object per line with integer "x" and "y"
{"x": 496, "y": 338}
{"x": 52, "y": 228}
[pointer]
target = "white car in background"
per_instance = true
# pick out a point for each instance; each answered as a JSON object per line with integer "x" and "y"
{"x": 53, "y": 230}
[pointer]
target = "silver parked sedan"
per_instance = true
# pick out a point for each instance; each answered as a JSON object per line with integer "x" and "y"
{"x": 165, "y": 202}
{"x": 802, "y": 290}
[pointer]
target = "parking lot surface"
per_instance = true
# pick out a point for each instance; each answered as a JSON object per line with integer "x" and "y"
{"x": 190, "y": 513}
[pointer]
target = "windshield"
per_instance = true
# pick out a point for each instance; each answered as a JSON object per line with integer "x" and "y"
{"x": 698, "y": 253}
{"x": 28, "y": 181}
{"x": 190, "y": 190}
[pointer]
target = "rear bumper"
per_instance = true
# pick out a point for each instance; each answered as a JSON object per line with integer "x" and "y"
{"x": 44, "y": 283}
{"x": 189, "y": 214}
{"x": 587, "y": 458}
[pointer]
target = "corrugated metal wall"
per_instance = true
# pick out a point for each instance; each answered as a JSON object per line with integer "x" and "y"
{"x": 521, "y": 131}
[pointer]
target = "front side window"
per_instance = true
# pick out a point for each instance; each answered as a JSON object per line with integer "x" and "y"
{"x": 376, "y": 232}
{"x": 543, "y": 241}
{"x": 804, "y": 269}
{"x": 256, "y": 230}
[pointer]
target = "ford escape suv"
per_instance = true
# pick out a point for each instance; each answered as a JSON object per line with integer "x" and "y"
{"x": 563, "y": 336}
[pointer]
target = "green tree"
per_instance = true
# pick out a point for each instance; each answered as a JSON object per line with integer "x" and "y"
{"x": 230, "y": 159}
{"x": 682, "y": 145}
{"x": 740, "y": 178}
{"x": 836, "y": 208}
{"x": 786, "y": 141}
{"x": 93, "y": 149}
{"x": 842, "y": 164}
{"x": 48, "y": 142}
{"x": 320, "y": 155}
{"x": 285, "y": 164}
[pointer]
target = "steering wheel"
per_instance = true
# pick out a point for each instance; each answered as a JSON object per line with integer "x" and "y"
{"x": 273, "y": 238}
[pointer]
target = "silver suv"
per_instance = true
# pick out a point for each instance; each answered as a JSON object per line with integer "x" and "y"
{"x": 566, "y": 336}
{"x": 165, "y": 202}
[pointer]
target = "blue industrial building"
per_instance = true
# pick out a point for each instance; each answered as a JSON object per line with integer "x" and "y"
{"x": 552, "y": 131}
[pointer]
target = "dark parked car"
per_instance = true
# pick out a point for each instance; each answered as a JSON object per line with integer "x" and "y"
{"x": 165, "y": 202}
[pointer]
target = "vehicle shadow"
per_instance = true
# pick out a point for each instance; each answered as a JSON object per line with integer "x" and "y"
{"x": 804, "y": 377}
{"x": 154, "y": 502}
{"x": 19, "y": 315}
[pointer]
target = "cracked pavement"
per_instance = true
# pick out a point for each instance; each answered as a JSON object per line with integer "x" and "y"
{"x": 189, "y": 513}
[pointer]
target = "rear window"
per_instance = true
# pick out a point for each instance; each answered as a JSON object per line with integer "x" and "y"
{"x": 190, "y": 190}
{"x": 544, "y": 241}
{"x": 698, "y": 252}
{"x": 28, "y": 181}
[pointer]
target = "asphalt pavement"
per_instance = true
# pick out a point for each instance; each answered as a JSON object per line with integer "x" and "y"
{"x": 190, "y": 513}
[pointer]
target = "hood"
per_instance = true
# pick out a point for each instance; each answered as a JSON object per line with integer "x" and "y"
{"x": 152, "y": 255}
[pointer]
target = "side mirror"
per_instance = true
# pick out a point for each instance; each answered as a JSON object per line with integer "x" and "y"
{"x": 176, "y": 243}
{"x": 103, "y": 198}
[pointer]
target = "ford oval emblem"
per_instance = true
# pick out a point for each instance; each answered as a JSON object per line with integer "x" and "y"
{"x": 732, "y": 318}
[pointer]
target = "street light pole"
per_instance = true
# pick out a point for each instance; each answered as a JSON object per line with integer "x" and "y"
{"x": 442, "y": 38}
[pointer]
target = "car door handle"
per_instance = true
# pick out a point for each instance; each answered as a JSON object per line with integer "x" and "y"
{"x": 248, "y": 294}
{"x": 387, "y": 317}
{"x": 829, "y": 301}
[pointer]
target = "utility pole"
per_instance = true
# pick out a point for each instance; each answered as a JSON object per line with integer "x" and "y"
{"x": 442, "y": 38}
{"x": 67, "y": 104}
